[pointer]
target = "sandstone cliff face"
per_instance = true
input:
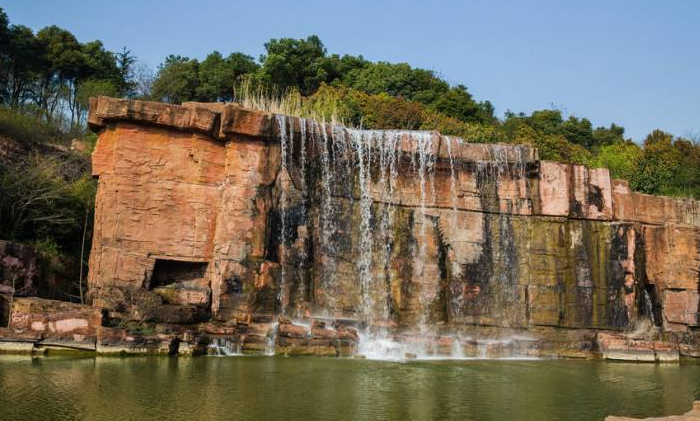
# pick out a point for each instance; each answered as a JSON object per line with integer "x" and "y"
{"x": 214, "y": 212}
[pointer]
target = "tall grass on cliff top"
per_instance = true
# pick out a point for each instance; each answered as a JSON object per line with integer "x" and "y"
{"x": 353, "y": 108}
{"x": 252, "y": 94}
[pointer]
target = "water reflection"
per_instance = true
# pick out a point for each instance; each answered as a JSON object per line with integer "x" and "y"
{"x": 314, "y": 388}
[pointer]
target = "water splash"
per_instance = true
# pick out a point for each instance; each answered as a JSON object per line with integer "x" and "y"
{"x": 221, "y": 347}
{"x": 271, "y": 340}
{"x": 395, "y": 348}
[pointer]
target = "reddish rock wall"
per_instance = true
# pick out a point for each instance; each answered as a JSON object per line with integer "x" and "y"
{"x": 198, "y": 219}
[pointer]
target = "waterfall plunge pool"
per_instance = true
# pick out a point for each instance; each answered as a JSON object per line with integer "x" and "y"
{"x": 308, "y": 388}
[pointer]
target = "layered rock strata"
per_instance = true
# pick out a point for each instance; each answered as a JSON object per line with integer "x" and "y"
{"x": 217, "y": 215}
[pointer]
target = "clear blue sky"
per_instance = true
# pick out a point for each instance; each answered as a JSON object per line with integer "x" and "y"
{"x": 634, "y": 62}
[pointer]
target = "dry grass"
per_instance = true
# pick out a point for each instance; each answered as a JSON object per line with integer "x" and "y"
{"x": 288, "y": 102}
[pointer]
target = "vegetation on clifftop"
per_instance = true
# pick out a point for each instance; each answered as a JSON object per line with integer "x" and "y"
{"x": 381, "y": 95}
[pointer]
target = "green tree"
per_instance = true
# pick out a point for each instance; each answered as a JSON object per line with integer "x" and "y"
{"x": 125, "y": 75}
{"x": 4, "y": 57}
{"x": 547, "y": 122}
{"x": 458, "y": 103}
{"x": 607, "y": 136}
{"x": 217, "y": 75}
{"x": 63, "y": 60}
{"x": 336, "y": 67}
{"x": 686, "y": 182}
{"x": 621, "y": 158}
{"x": 21, "y": 59}
{"x": 658, "y": 164}
{"x": 296, "y": 63}
{"x": 177, "y": 80}
{"x": 399, "y": 80}
{"x": 578, "y": 131}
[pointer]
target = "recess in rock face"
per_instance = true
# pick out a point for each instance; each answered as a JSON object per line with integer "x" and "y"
{"x": 244, "y": 231}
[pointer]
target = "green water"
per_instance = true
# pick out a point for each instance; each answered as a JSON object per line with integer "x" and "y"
{"x": 258, "y": 388}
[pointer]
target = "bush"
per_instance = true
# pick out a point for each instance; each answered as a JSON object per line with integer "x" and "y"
{"x": 26, "y": 128}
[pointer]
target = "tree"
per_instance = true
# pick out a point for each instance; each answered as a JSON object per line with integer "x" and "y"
{"x": 92, "y": 88}
{"x": 143, "y": 81}
{"x": 63, "y": 60}
{"x": 22, "y": 59}
{"x": 217, "y": 75}
{"x": 177, "y": 80}
{"x": 98, "y": 74}
{"x": 125, "y": 81}
{"x": 4, "y": 57}
{"x": 336, "y": 67}
{"x": 578, "y": 131}
{"x": 398, "y": 80}
{"x": 621, "y": 158}
{"x": 295, "y": 63}
{"x": 686, "y": 181}
{"x": 607, "y": 136}
{"x": 547, "y": 122}
{"x": 458, "y": 103}
{"x": 657, "y": 165}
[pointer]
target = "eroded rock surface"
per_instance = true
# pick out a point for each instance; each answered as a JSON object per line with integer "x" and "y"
{"x": 215, "y": 215}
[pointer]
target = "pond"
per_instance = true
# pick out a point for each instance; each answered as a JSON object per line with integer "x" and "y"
{"x": 279, "y": 388}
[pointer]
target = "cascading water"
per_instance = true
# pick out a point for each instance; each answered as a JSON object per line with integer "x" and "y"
{"x": 224, "y": 347}
{"x": 649, "y": 307}
{"x": 271, "y": 340}
{"x": 426, "y": 163}
{"x": 453, "y": 180}
{"x": 302, "y": 177}
{"x": 362, "y": 146}
{"x": 327, "y": 245}
{"x": 372, "y": 159}
{"x": 388, "y": 174}
{"x": 282, "y": 126}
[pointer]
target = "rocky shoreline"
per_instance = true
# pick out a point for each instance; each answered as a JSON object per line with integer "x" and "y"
{"x": 45, "y": 326}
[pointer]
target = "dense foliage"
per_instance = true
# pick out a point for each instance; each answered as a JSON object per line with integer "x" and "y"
{"x": 47, "y": 77}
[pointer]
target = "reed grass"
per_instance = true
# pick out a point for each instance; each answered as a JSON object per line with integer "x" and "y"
{"x": 250, "y": 93}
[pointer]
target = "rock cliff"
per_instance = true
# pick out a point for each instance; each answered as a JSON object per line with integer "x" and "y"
{"x": 216, "y": 218}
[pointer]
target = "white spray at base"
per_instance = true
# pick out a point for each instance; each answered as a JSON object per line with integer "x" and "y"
{"x": 384, "y": 347}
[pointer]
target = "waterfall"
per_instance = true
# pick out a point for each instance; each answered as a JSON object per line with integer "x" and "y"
{"x": 224, "y": 347}
{"x": 271, "y": 339}
{"x": 453, "y": 180}
{"x": 362, "y": 166}
{"x": 426, "y": 161}
{"x": 302, "y": 154}
{"x": 388, "y": 179}
{"x": 457, "y": 351}
{"x": 282, "y": 126}
{"x": 326, "y": 217}
{"x": 482, "y": 349}
{"x": 302, "y": 177}
{"x": 362, "y": 146}
{"x": 649, "y": 307}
